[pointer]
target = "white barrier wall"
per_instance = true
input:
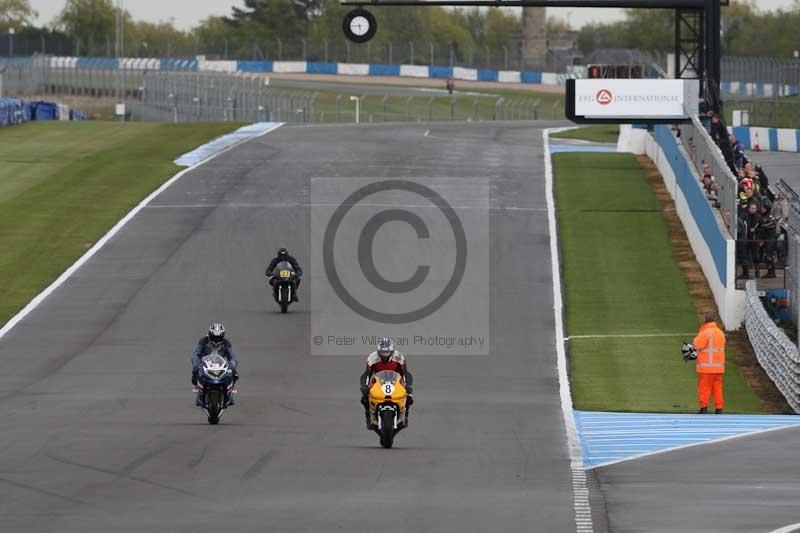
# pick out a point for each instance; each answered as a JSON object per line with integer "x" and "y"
{"x": 468, "y": 74}
{"x": 550, "y": 78}
{"x": 220, "y": 66}
{"x": 730, "y": 302}
{"x": 509, "y": 76}
{"x": 414, "y": 71}
{"x": 289, "y": 66}
{"x": 353, "y": 69}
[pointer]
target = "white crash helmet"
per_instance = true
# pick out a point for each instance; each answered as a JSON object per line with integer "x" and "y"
{"x": 216, "y": 333}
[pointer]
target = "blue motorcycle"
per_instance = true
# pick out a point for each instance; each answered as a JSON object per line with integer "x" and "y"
{"x": 215, "y": 385}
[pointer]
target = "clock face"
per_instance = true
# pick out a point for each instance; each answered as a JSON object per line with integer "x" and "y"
{"x": 359, "y": 25}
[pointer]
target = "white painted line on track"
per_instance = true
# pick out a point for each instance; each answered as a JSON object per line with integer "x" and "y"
{"x": 787, "y": 529}
{"x": 39, "y": 298}
{"x": 630, "y": 336}
{"x": 582, "y": 506}
{"x": 689, "y": 445}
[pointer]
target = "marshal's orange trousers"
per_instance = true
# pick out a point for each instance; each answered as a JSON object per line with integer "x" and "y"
{"x": 708, "y": 385}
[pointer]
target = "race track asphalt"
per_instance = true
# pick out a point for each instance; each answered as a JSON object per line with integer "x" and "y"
{"x": 779, "y": 166}
{"x": 743, "y": 485}
{"x": 100, "y": 432}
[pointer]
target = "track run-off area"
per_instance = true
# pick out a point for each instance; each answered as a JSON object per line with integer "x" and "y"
{"x": 101, "y": 432}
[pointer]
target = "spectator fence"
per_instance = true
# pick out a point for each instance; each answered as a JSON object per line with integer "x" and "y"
{"x": 193, "y": 95}
{"x": 776, "y": 353}
{"x": 702, "y": 149}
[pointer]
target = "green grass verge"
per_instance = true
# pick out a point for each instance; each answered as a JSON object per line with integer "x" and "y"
{"x": 605, "y": 133}
{"x": 621, "y": 279}
{"x": 64, "y": 184}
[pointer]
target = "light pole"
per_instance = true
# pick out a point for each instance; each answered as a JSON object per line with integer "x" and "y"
{"x": 11, "y": 32}
{"x": 357, "y": 100}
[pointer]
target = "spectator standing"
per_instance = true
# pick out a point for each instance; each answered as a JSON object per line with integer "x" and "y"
{"x": 743, "y": 256}
{"x": 767, "y": 235}
{"x": 710, "y": 364}
{"x": 738, "y": 152}
{"x": 718, "y": 130}
{"x": 747, "y": 231}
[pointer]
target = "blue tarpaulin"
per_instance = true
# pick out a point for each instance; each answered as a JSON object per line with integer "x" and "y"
{"x": 16, "y": 111}
{"x": 12, "y": 111}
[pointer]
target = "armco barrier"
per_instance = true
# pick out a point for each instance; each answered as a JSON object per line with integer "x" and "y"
{"x": 776, "y": 353}
{"x": 714, "y": 248}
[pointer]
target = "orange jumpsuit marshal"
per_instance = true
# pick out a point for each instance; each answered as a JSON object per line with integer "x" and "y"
{"x": 710, "y": 346}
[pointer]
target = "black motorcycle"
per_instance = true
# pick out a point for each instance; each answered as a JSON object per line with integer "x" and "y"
{"x": 284, "y": 284}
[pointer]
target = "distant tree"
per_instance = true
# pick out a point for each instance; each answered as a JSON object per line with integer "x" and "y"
{"x": 262, "y": 11}
{"x": 91, "y": 22}
{"x": 162, "y": 39}
{"x": 15, "y": 14}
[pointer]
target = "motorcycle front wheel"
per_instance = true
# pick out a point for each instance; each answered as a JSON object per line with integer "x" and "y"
{"x": 214, "y": 401}
{"x": 387, "y": 428}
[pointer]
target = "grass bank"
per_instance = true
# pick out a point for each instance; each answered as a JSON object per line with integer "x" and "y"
{"x": 64, "y": 184}
{"x": 621, "y": 279}
{"x": 605, "y": 133}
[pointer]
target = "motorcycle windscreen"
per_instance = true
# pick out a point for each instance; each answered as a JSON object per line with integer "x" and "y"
{"x": 215, "y": 365}
{"x": 283, "y": 270}
{"x": 387, "y": 376}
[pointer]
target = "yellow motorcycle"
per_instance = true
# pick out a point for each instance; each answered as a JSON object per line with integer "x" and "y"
{"x": 387, "y": 405}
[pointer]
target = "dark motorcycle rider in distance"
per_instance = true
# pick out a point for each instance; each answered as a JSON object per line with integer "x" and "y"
{"x": 283, "y": 255}
{"x": 386, "y": 358}
{"x": 215, "y": 340}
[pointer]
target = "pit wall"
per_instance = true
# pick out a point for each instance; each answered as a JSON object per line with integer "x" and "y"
{"x": 712, "y": 244}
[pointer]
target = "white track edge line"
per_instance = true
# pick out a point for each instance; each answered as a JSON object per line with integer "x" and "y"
{"x": 629, "y": 336}
{"x": 787, "y": 529}
{"x": 690, "y": 445}
{"x": 39, "y": 298}
{"x": 581, "y": 503}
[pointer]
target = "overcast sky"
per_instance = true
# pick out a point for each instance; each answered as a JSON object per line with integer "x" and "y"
{"x": 187, "y": 13}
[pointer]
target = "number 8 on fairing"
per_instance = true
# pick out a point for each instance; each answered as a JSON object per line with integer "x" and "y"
{"x": 388, "y": 388}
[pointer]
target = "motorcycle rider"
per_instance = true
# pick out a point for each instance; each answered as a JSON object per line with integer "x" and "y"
{"x": 215, "y": 340}
{"x": 386, "y": 358}
{"x": 283, "y": 255}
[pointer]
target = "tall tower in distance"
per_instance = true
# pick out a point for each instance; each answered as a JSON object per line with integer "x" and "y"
{"x": 534, "y": 38}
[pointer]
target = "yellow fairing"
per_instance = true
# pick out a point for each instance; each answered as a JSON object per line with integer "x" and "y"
{"x": 387, "y": 386}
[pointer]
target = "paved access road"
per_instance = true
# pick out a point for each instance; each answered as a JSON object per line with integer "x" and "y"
{"x": 99, "y": 429}
{"x": 779, "y": 166}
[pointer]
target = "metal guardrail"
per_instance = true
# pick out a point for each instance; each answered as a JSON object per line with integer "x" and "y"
{"x": 702, "y": 150}
{"x": 776, "y": 353}
{"x": 792, "y": 271}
